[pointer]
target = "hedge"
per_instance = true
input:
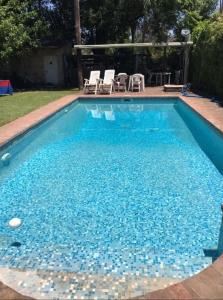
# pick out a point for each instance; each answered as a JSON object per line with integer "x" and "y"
{"x": 207, "y": 57}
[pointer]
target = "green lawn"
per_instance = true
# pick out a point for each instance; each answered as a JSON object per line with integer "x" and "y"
{"x": 21, "y": 103}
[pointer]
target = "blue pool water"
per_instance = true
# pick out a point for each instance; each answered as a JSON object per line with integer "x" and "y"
{"x": 120, "y": 188}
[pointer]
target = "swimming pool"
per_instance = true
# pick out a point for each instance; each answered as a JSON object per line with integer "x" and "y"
{"x": 120, "y": 188}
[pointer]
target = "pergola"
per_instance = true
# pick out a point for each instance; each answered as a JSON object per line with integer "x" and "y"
{"x": 77, "y": 26}
{"x": 186, "y": 45}
{"x": 135, "y": 45}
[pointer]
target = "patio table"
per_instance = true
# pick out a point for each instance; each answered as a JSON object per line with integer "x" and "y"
{"x": 158, "y": 76}
{"x": 5, "y": 87}
{"x": 161, "y": 77}
{"x": 166, "y": 77}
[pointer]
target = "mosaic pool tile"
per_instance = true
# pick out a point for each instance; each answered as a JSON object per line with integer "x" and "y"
{"x": 45, "y": 285}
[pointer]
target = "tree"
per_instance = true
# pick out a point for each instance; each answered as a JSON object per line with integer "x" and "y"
{"x": 192, "y": 12}
{"x": 30, "y": 23}
{"x": 20, "y": 28}
{"x": 101, "y": 21}
{"x": 131, "y": 11}
{"x": 207, "y": 56}
{"x": 203, "y": 7}
{"x": 58, "y": 15}
{"x": 161, "y": 17}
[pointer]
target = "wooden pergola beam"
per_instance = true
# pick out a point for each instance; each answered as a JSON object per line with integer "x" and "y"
{"x": 134, "y": 45}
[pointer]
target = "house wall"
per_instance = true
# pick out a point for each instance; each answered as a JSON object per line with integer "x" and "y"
{"x": 36, "y": 67}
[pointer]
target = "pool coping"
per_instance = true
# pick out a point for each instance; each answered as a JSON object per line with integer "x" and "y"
{"x": 208, "y": 284}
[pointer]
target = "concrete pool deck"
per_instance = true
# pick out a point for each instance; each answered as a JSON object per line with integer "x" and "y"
{"x": 206, "y": 285}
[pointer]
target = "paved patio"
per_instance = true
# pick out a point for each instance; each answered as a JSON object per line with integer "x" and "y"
{"x": 8, "y": 294}
{"x": 206, "y": 285}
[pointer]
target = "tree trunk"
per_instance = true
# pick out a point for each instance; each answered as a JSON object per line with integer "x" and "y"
{"x": 78, "y": 41}
{"x": 165, "y": 58}
{"x": 144, "y": 31}
{"x": 133, "y": 32}
{"x": 186, "y": 64}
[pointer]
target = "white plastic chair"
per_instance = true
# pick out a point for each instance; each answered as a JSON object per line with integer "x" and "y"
{"x": 106, "y": 85}
{"x": 136, "y": 82}
{"x": 91, "y": 84}
{"x": 121, "y": 82}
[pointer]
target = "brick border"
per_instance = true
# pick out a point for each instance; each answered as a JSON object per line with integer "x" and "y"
{"x": 6, "y": 293}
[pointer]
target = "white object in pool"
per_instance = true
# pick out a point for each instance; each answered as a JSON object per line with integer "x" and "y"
{"x": 6, "y": 158}
{"x": 109, "y": 112}
{"x": 15, "y": 223}
{"x": 96, "y": 114}
{"x": 109, "y": 115}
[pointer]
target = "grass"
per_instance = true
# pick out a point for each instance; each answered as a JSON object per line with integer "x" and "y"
{"x": 21, "y": 103}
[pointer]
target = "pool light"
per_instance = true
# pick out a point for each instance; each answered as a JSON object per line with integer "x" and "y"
{"x": 5, "y": 159}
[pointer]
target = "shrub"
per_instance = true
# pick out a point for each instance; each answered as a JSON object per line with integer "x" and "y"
{"x": 207, "y": 56}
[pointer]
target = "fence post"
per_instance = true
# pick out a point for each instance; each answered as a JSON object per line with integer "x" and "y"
{"x": 186, "y": 58}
